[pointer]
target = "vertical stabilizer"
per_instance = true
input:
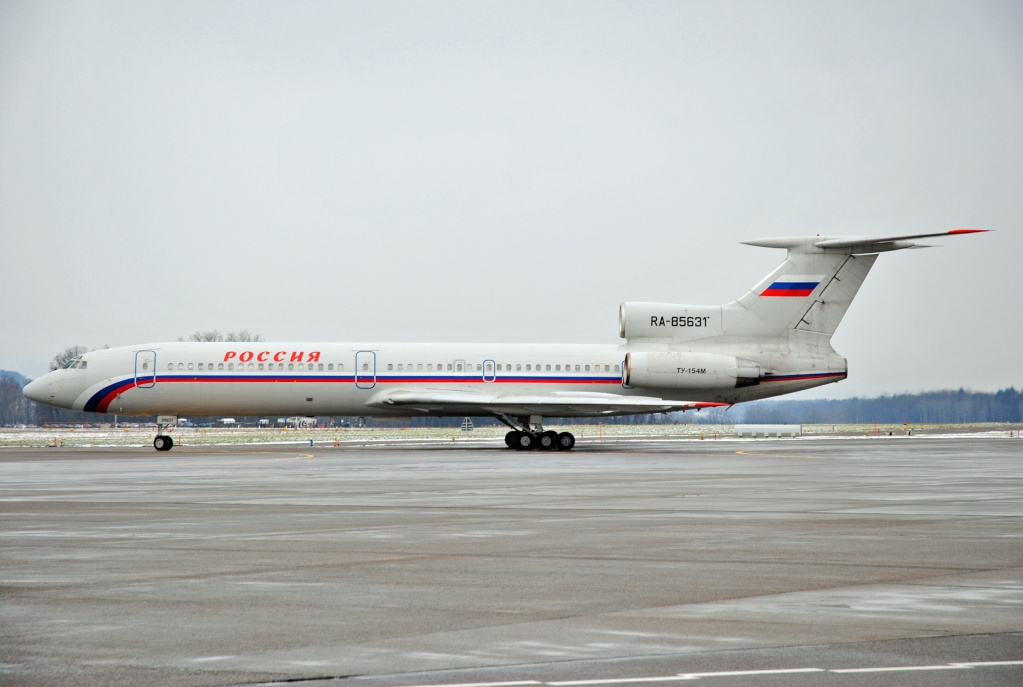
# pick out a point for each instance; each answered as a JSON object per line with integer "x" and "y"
{"x": 812, "y": 290}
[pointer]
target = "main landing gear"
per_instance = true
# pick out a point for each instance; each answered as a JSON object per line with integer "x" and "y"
{"x": 164, "y": 442}
{"x": 528, "y": 433}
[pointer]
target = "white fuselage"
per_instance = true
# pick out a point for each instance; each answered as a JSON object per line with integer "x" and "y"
{"x": 204, "y": 379}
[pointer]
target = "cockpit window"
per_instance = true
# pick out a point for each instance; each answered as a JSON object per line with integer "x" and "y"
{"x": 75, "y": 364}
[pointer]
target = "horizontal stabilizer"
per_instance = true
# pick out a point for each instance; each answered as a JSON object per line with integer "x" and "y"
{"x": 855, "y": 244}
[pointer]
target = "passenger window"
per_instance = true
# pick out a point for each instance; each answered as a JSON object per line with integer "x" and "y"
{"x": 170, "y": 366}
{"x": 191, "y": 366}
{"x": 390, "y": 366}
{"x": 365, "y": 366}
{"x": 449, "y": 367}
{"x": 291, "y": 366}
{"x": 587, "y": 368}
{"x": 260, "y": 366}
{"x": 200, "y": 366}
{"x": 479, "y": 366}
{"x": 319, "y": 366}
{"x": 330, "y": 366}
{"x": 529, "y": 368}
{"x": 400, "y": 367}
{"x": 548, "y": 368}
{"x": 430, "y": 367}
{"x": 145, "y": 364}
{"x": 419, "y": 366}
{"x": 557, "y": 368}
{"x": 181, "y": 366}
{"x": 220, "y": 366}
{"x": 616, "y": 368}
{"x": 251, "y": 366}
{"x": 499, "y": 366}
{"x": 301, "y": 366}
{"x": 458, "y": 368}
{"x": 607, "y": 368}
{"x": 230, "y": 366}
{"x": 577, "y": 368}
{"x": 340, "y": 366}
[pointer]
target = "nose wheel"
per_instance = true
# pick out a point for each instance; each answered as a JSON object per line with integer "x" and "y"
{"x": 163, "y": 442}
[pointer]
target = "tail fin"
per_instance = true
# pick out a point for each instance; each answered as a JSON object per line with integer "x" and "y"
{"x": 812, "y": 290}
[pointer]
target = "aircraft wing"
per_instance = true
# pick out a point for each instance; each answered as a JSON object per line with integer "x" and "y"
{"x": 554, "y": 404}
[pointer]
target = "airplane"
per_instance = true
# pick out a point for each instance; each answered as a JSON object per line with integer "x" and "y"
{"x": 774, "y": 340}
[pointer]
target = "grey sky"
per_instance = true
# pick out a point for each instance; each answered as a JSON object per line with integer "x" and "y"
{"x": 506, "y": 171}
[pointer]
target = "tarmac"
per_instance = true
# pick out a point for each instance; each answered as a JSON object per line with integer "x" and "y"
{"x": 839, "y": 561}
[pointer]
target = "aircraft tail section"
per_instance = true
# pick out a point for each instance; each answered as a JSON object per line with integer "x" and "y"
{"x": 809, "y": 292}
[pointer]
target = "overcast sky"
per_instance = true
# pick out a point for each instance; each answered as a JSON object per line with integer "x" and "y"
{"x": 468, "y": 171}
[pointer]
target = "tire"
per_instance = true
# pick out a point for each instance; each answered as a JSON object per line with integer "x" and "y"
{"x": 511, "y": 439}
{"x": 162, "y": 443}
{"x": 566, "y": 441}
{"x": 525, "y": 441}
{"x": 547, "y": 441}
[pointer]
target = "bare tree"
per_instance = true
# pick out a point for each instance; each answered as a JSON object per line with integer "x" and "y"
{"x": 215, "y": 335}
{"x": 243, "y": 335}
{"x": 69, "y": 353}
{"x": 208, "y": 335}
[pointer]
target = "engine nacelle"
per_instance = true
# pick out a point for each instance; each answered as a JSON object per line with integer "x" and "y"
{"x": 684, "y": 370}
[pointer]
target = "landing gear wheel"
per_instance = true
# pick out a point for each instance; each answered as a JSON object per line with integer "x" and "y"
{"x": 547, "y": 440}
{"x": 525, "y": 441}
{"x": 511, "y": 438}
{"x": 566, "y": 440}
{"x": 163, "y": 443}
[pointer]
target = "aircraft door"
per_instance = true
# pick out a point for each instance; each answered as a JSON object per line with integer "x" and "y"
{"x": 145, "y": 369}
{"x": 365, "y": 369}
{"x": 489, "y": 370}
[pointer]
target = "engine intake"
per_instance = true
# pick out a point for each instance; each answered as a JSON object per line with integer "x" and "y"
{"x": 685, "y": 370}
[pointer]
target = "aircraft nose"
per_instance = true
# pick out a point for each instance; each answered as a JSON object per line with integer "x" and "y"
{"x": 38, "y": 390}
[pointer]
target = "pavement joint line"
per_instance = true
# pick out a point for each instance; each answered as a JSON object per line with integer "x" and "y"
{"x": 899, "y": 669}
{"x": 485, "y": 684}
{"x": 617, "y": 681}
{"x": 983, "y": 664}
{"x": 728, "y": 673}
{"x": 734, "y": 673}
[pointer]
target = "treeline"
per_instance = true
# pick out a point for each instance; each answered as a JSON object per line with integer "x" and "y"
{"x": 932, "y": 407}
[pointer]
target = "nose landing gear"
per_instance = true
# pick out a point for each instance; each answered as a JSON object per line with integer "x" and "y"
{"x": 163, "y": 442}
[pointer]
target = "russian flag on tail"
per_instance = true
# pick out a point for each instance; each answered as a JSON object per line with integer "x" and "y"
{"x": 794, "y": 285}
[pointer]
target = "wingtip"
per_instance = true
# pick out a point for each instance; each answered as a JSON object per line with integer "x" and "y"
{"x": 968, "y": 231}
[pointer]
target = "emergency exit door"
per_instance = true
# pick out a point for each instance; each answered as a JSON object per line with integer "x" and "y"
{"x": 145, "y": 369}
{"x": 365, "y": 369}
